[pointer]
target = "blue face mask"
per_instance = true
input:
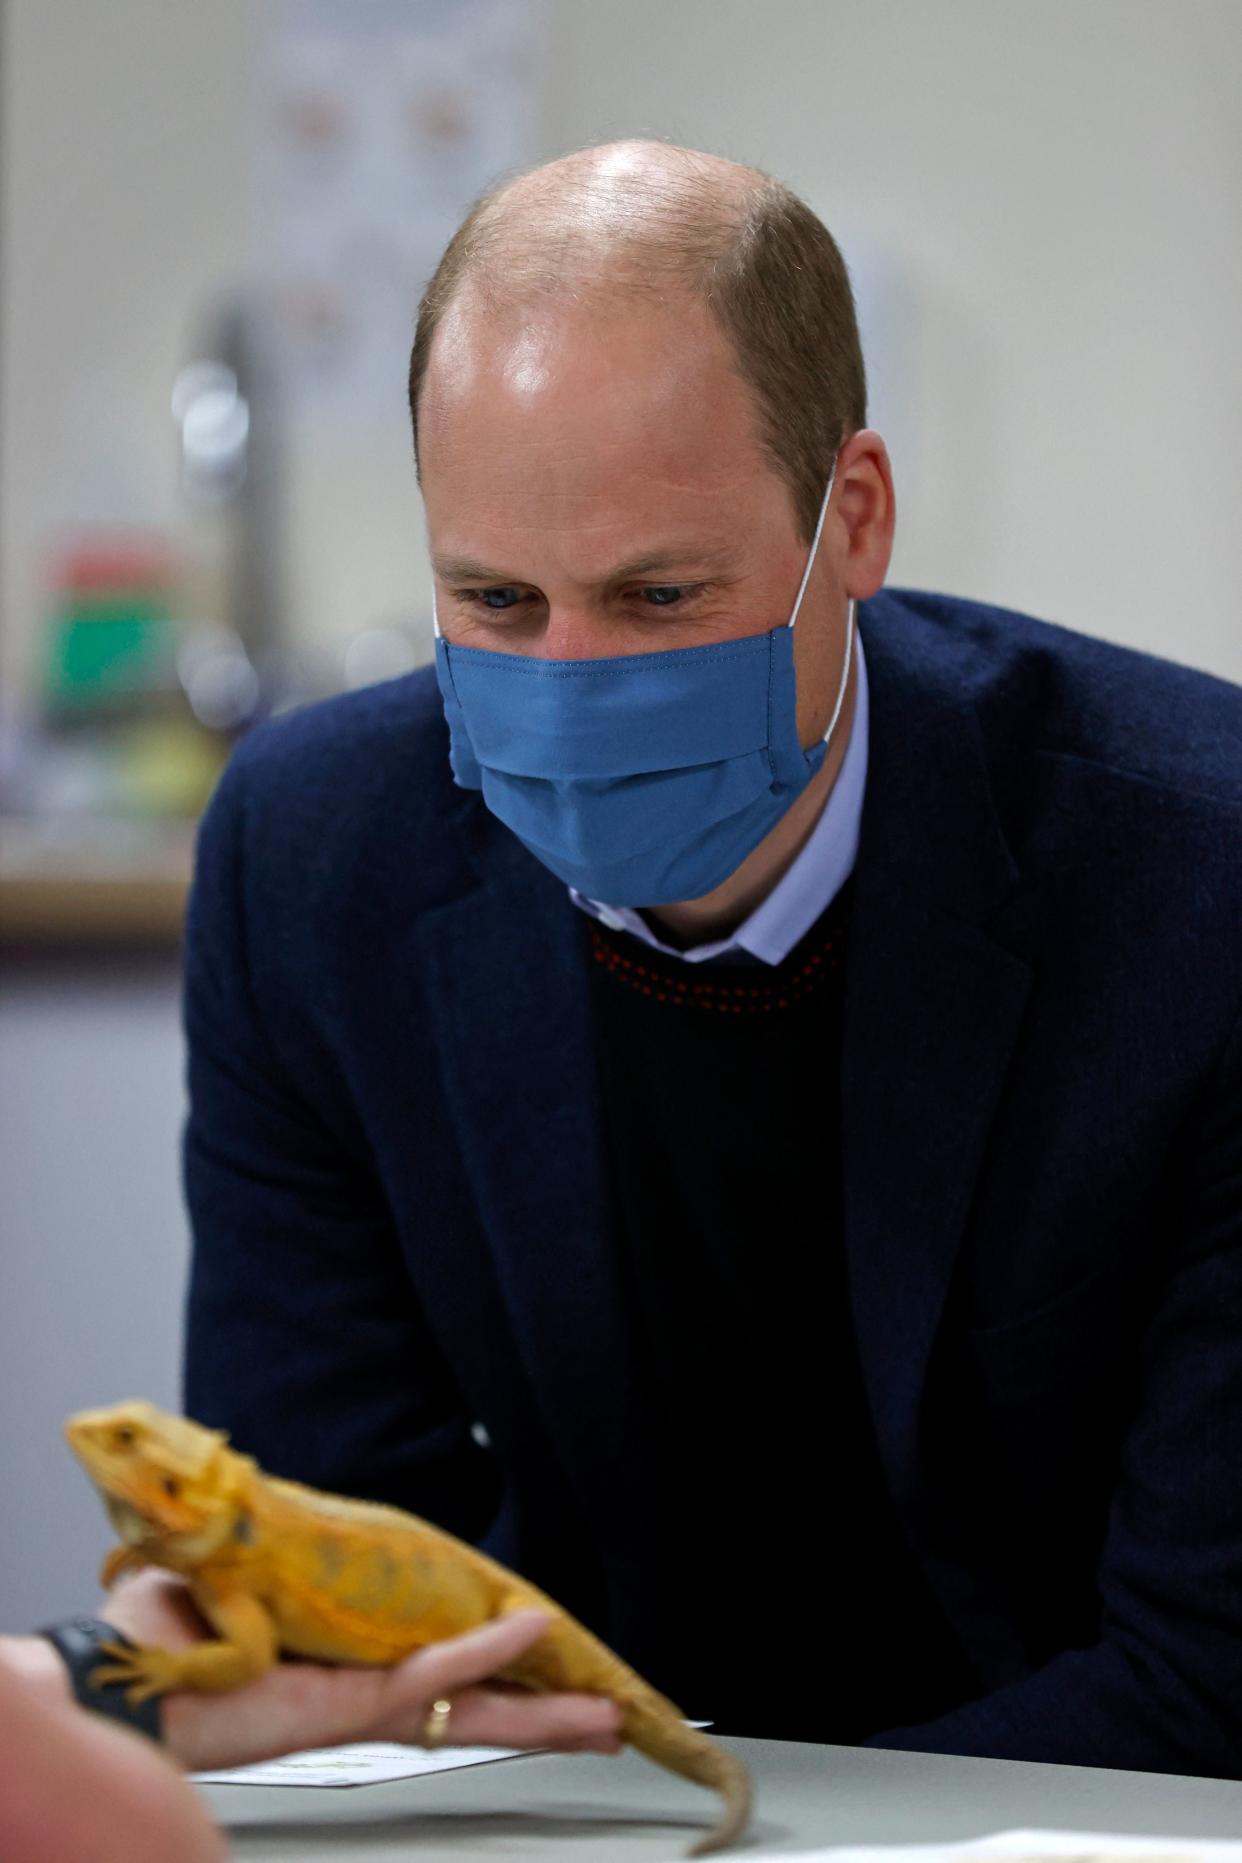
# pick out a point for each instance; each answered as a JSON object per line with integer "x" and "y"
{"x": 641, "y": 779}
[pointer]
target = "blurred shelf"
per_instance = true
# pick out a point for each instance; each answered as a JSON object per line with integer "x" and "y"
{"x": 98, "y": 884}
{"x": 67, "y": 909}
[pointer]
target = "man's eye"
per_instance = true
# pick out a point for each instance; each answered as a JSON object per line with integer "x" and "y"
{"x": 665, "y": 595}
{"x": 497, "y": 600}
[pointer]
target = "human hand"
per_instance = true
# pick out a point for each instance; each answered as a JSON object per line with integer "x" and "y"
{"x": 303, "y": 1704}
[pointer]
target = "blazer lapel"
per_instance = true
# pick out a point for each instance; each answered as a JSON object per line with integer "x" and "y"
{"x": 508, "y": 989}
{"x": 934, "y": 1001}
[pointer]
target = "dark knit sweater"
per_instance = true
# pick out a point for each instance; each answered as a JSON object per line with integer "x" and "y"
{"x": 790, "y": 1608}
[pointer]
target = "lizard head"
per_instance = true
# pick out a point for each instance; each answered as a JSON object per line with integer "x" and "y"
{"x": 167, "y": 1482}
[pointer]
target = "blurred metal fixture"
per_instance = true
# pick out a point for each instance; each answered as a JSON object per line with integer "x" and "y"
{"x": 225, "y": 404}
{"x": 214, "y": 418}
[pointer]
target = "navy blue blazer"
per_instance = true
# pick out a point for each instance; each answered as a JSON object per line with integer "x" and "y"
{"x": 403, "y": 1284}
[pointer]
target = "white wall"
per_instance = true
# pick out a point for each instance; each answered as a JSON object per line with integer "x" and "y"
{"x": 1054, "y": 187}
{"x": 93, "y": 1250}
{"x": 1040, "y": 199}
{"x": 124, "y": 180}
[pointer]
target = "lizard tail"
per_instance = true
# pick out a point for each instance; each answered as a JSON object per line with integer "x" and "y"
{"x": 653, "y": 1728}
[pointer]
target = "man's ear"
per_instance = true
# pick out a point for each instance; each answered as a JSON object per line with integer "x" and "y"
{"x": 868, "y": 510}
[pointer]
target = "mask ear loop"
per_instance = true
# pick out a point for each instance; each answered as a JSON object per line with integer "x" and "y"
{"x": 845, "y": 672}
{"x": 435, "y": 618}
{"x": 849, "y": 613}
{"x": 810, "y": 561}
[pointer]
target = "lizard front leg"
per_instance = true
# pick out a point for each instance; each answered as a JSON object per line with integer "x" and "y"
{"x": 245, "y": 1648}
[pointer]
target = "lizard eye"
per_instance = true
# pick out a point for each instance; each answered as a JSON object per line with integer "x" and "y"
{"x": 171, "y": 1486}
{"x": 123, "y": 1437}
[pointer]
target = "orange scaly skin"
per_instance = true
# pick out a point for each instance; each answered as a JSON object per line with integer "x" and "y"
{"x": 275, "y": 1566}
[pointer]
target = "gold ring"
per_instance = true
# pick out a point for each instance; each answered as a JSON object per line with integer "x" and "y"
{"x": 435, "y": 1727}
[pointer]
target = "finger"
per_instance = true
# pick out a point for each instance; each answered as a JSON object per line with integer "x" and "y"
{"x": 456, "y": 1663}
{"x": 570, "y": 1723}
{"x": 488, "y": 1717}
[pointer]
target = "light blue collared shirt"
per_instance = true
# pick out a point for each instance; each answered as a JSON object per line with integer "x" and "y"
{"x": 812, "y": 882}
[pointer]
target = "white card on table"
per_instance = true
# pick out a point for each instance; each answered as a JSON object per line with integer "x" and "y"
{"x": 366, "y": 1763}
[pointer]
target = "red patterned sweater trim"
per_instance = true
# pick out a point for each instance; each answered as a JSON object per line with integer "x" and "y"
{"x": 718, "y": 989}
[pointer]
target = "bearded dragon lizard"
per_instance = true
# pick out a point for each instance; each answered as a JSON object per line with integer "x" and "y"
{"x": 274, "y": 1566}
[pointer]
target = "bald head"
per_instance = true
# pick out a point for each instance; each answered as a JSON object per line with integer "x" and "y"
{"x": 650, "y": 223}
{"x": 644, "y": 217}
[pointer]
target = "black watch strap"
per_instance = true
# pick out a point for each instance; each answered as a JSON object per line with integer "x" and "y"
{"x": 78, "y": 1641}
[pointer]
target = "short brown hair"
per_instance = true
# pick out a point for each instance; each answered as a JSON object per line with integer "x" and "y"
{"x": 764, "y": 264}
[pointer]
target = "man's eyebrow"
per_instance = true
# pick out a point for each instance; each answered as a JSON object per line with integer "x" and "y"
{"x": 696, "y": 554}
{"x": 468, "y": 569}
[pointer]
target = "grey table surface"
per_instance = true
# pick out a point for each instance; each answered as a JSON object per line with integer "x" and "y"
{"x": 559, "y": 1809}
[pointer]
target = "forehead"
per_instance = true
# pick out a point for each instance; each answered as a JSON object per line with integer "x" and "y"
{"x": 572, "y": 411}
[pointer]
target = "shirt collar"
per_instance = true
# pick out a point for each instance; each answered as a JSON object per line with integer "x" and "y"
{"x": 812, "y": 882}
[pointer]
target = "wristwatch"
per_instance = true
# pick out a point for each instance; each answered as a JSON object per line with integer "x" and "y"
{"x": 78, "y": 1641}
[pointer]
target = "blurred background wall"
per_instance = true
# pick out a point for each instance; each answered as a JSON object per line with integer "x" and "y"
{"x": 1039, "y": 205}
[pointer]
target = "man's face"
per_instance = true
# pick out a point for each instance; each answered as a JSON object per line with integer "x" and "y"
{"x": 595, "y": 485}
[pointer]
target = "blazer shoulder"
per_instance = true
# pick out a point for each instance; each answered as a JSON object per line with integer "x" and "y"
{"x": 1045, "y": 689}
{"x": 333, "y": 760}
{"x": 352, "y": 784}
{"x": 369, "y": 736}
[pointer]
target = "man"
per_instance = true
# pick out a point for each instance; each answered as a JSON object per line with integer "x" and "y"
{"x": 761, "y": 1150}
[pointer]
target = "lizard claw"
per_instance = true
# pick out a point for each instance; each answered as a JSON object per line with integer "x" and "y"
{"x": 120, "y": 1560}
{"x": 148, "y": 1670}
